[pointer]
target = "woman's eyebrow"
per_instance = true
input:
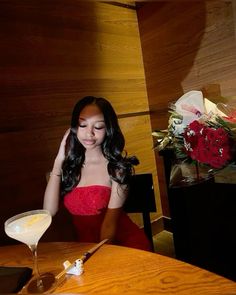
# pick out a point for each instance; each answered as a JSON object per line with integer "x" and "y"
{"x": 98, "y": 121}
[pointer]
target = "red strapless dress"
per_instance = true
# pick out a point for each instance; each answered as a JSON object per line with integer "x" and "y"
{"x": 88, "y": 206}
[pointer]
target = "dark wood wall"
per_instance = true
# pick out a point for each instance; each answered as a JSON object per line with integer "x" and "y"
{"x": 52, "y": 54}
{"x": 187, "y": 45}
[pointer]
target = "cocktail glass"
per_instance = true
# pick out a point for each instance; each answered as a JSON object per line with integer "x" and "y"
{"x": 28, "y": 228}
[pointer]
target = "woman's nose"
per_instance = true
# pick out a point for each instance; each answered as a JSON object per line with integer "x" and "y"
{"x": 90, "y": 132}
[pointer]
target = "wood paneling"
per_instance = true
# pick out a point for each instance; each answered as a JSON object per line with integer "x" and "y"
{"x": 52, "y": 54}
{"x": 187, "y": 45}
{"x": 139, "y": 142}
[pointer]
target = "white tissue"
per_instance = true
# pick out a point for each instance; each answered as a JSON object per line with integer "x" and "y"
{"x": 77, "y": 269}
{"x": 191, "y": 107}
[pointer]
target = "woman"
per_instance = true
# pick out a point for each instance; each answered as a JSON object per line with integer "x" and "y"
{"x": 91, "y": 173}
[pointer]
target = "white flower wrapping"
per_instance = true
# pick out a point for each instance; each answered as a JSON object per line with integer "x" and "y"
{"x": 189, "y": 107}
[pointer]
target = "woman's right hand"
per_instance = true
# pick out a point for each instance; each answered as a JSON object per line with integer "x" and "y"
{"x": 61, "y": 152}
{"x": 52, "y": 192}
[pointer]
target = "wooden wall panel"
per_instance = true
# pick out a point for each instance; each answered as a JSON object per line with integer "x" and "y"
{"x": 215, "y": 60}
{"x": 139, "y": 143}
{"x": 186, "y": 45}
{"x": 53, "y": 53}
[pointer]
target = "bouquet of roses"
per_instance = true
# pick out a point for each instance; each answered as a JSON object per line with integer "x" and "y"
{"x": 208, "y": 145}
{"x": 200, "y": 132}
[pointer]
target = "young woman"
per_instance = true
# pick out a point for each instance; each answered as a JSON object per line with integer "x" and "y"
{"x": 91, "y": 173}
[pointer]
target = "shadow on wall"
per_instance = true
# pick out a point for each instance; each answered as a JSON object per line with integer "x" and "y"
{"x": 171, "y": 34}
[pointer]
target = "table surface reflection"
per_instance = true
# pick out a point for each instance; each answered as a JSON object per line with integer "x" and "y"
{"x": 119, "y": 270}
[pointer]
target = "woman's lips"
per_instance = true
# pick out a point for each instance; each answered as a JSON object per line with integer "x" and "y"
{"x": 88, "y": 141}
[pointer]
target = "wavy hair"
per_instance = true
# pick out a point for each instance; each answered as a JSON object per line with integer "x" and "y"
{"x": 120, "y": 166}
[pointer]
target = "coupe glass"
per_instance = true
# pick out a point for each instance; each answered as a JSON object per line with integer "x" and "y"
{"x": 28, "y": 228}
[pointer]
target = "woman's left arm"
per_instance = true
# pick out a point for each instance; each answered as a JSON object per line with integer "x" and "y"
{"x": 109, "y": 224}
{"x": 117, "y": 199}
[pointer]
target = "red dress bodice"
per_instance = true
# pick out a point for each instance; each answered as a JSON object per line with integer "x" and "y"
{"x": 87, "y": 200}
{"x": 88, "y": 206}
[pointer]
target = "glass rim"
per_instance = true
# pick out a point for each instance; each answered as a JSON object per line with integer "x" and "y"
{"x": 26, "y": 213}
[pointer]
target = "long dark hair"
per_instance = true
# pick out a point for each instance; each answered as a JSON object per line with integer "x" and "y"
{"x": 120, "y": 166}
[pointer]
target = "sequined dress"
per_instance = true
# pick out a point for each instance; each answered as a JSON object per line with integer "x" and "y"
{"x": 88, "y": 205}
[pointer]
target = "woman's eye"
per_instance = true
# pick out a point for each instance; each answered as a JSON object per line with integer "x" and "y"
{"x": 82, "y": 126}
{"x": 99, "y": 128}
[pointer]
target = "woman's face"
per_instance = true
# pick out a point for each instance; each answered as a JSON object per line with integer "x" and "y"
{"x": 91, "y": 129}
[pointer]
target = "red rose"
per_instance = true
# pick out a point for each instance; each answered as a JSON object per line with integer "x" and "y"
{"x": 207, "y": 145}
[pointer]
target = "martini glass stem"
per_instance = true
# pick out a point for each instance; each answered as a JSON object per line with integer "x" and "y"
{"x": 33, "y": 248}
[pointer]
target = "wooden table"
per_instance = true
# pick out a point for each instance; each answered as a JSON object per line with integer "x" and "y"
{"x": 120, "y": 270}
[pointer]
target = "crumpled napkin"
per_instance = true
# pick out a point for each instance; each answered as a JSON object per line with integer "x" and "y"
{"x": 191, "y": 107}
{"x": 191, "y": 104}
{"x": 13, "y": 278}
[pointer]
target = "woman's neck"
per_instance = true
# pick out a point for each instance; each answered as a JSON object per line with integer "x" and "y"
{"x": 94, "y": 156}
{"x": 94, "y": 170}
